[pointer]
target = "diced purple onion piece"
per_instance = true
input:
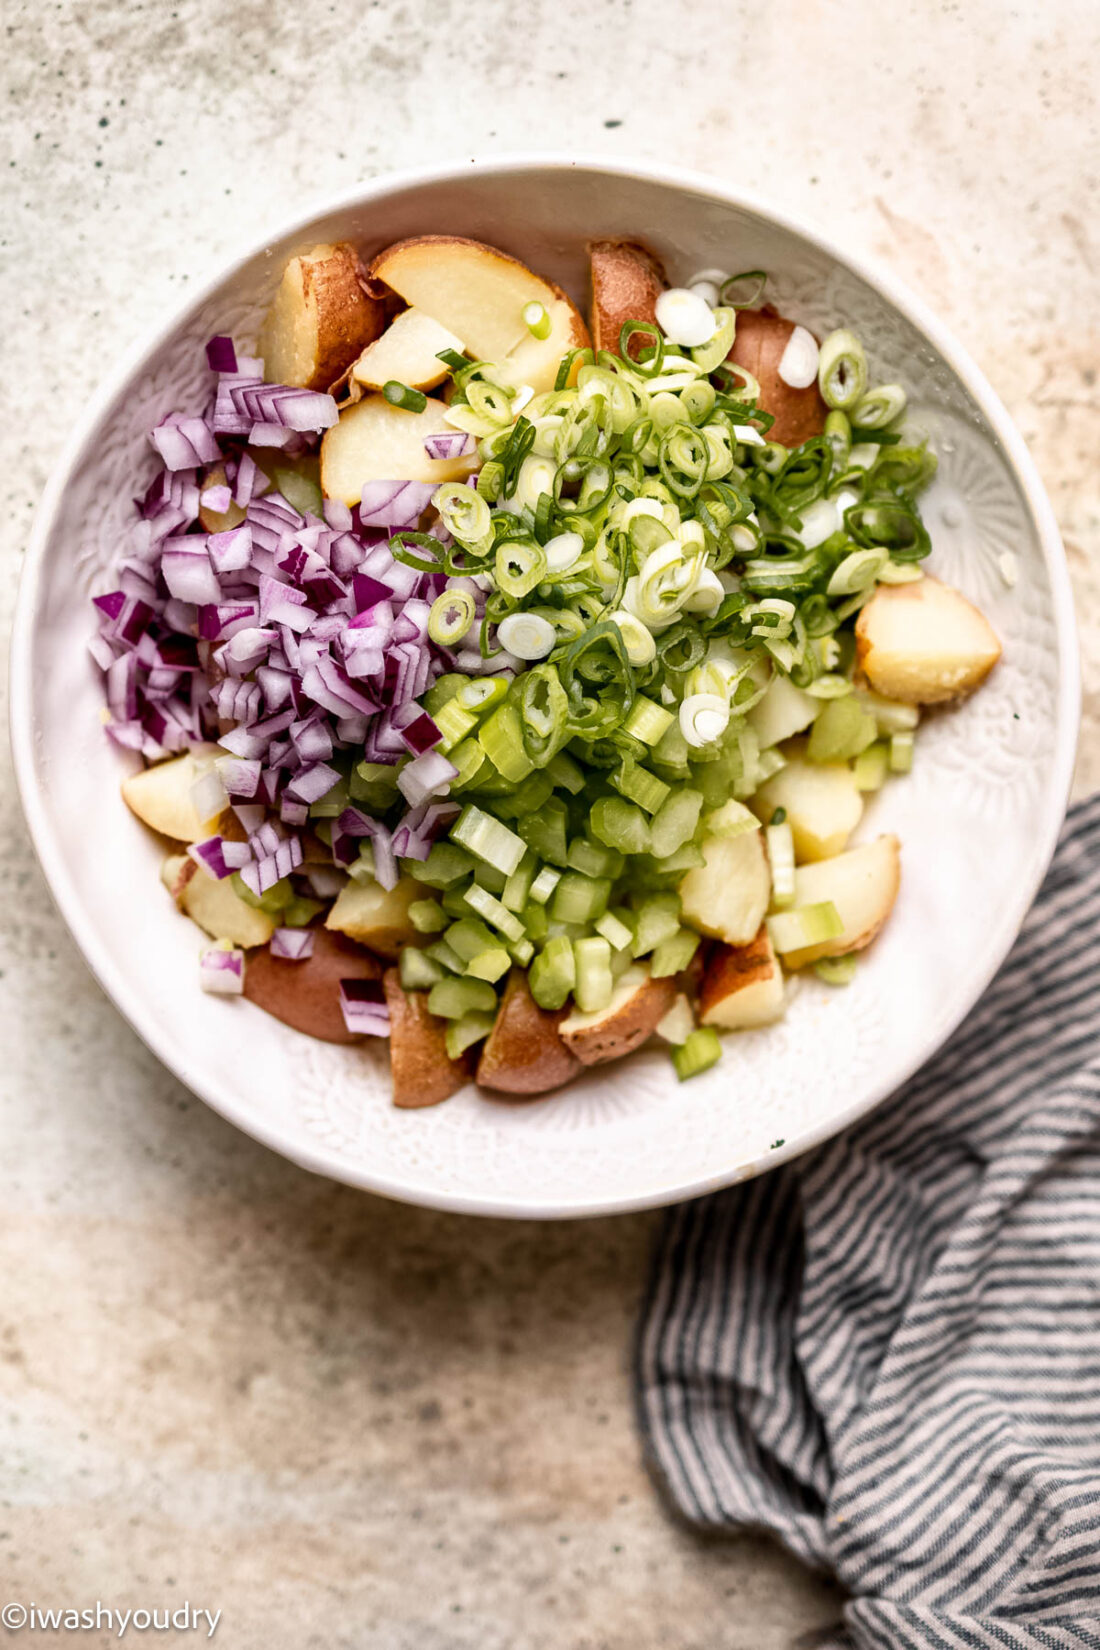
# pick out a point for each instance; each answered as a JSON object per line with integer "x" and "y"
{"x": 363, "y": 1003}
{"x": 292, "y": 944}
{"x": 221, "y": 971}
{"x": 220, "y": 354}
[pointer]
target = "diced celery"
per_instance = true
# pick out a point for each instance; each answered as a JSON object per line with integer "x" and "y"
{"x": 517, "y": 889}
{"x": 452, "y": 998}
{"x": 522, "y": 951}
{"x": 657, "y": 918}
{"x": 491, "y": 964}
{"x": 647, "y": 721}
{"x": 702, "y": 1050}
{"x": 780, "y": 843}
{"x": 427, "y": 916}
{"x": 446, "y": 863}
{"x": 837, "y": 970}
{"x": 418, "y": 971}
{"x": 901, "y": 752}
{"x": 620, "y": 962}
{"x": 535, "y": 921}
{"x": 453, "y": 901}
{"x": 731, "y": 819}
{"x": 300, "y": 912}
{"x": 620, "y": 824}
{"x": 593, "y": 858}
{"x": 374, "y": 783}
{"x": 890, "y": 716}
{"x": 595, "y": 984}
{"x": 454, "y": 724}
{"x": 553, "y": 973}
{"x": 471, "y": 762}
{"x": 362, "y": 869}
{"x": 673, "y": 750}
{"x": 566, "y": 773}
{"x": 805, "y": 925}
{"x": 544, "y": 885}
{"x": 640, "y": 786}
{"x": 545, "y": 831}
{"x": 333, "y": 803}
{"x": 674, "y": 822}
{"x": 842, "y": 730}
{"x": 673, "y": 955}
{"x": 462, "y": 1034}
{"x": 579, "y": 898}
{"x": 488, "y": 906}
{"x": 870, "y": 766}
{"x": 490, "y": 877}
{"x": 501, "y": 738}
{"x": 714, "y": 781}
{"x": 768, "y": 763}
{"x": 614, "y": 931}
{"x": 442, "y": 690}
{"x": 442, "y": 953}
{"x": 684, "y": 859}
{"x": 469, "y": 937}
{"x": 528, "y": 796}
{"x": 486, "y": 837}
{"x": 274, "y": 901}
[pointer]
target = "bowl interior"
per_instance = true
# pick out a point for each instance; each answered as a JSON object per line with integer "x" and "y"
{"x": 977, "y": 818}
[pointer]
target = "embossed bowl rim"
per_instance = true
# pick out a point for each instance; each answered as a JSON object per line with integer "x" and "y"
{"x": 126, "y": 993}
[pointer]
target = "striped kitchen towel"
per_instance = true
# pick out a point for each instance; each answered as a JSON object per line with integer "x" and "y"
{"x": 888, "y": 1352}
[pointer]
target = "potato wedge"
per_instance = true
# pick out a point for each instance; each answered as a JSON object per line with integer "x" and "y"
{"x": 218, "y": 521}
{"x": 758, "y": 345}
{"x": 728, "y": 896}
{"x": 523, "y": 1053}
{"x": 408, "y": 350}
{"x": 321, "y": 319}
{"x": 863, "y": 885}
{"x": 215, "y": 905}
{"x": 161, "y": 796}
{"x": 535, "y": 361}
{"x": 377, "y": 917}
{"x": 423, "y": 1071}
{"x": 638, "y": 1002}
{"x": 475, "y": 291}
{"x": 743, "y": 986}
{"x": 306, "y": 995}
{"x": 375, "y": 441}
{"x": 823, "y": 802}
{"x": 783, "y": 711}
{"x": 924, "y": 643}
{"x": 627, "y": 280}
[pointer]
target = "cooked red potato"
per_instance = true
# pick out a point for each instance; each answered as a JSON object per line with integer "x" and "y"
{"x": 783, "y": 711}
{"x": 377, "y": 917}
{"x": 215, "y": 905}
{"x": 376, "y": 441}
{"x": 823, "y": 802}
{"x": 161, "y": 796}
{"x": 627, "y": 280}
{"x": 524, "y": 1053}
{"x": 728, "y": 896}
{"x": 477, "y": 292}
{"x": 637, "y": 1004}
{"x": 762, "y": 336}
{"x": 407, "y": 351}
{"x": 535, "y": 361}
{"x": 321, "y": 319}
{"x": 423, "y": 1071}
{"x": 306, "y": 995}
{"x": 924, "y": 643}
{"x": 743, "y": 986}
{"x": 863, "y": 885}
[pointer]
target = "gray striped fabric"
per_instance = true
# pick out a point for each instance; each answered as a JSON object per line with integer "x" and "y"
{"x": 888, "y": 1352}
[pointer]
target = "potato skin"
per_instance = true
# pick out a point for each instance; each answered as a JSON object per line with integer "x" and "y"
{"x": 306, "y": 995}
{"x": 523, "y": 1053}
{"x": 735, "y": 969}
{"x": 758, "y": 346}
{"x": 625, "y": 1030}
{"x": 423, "y": 1072}
{"x": 627, "y": 280}
{"x": 321, "y": 319}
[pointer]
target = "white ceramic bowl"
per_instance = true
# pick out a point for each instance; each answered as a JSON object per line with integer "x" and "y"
{"x": 978, "y": 818}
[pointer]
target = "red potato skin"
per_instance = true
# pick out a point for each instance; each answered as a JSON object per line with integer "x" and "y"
{"x": 423, "y": 1072}
{"x": 524, "y": 1054}
{"x": 758, "y": 346}
{"x": 627, "y": 280}
{"x": 306, "y": 995}
{"x": 730, "y": 968}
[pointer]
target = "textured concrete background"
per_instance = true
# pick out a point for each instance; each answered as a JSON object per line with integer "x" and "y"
{"x": 346, "y": 1423}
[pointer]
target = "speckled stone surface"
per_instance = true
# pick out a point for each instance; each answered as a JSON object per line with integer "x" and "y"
{"x": 342, "y": 1422}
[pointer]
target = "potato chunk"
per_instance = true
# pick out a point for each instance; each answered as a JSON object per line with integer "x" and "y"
{"x": 742, "y": 986}
{"x": 408, "y": 351}
{"x": 727, "y": 897}
{"x": 423, "y": 1071}
{"x": 161, "y": 795}
{"x": 924, "y": 643}
{"x": 627, "y": 280}
{"x": 320, "y": 320}
{"x": 637, "y": 1004}
{"x": 862, "y": 884}
{"x": 376, "y": 441}
{"x": 823, "y": 803}
{"x": 523, "y": 1053}
{"x": 377, "y": 917}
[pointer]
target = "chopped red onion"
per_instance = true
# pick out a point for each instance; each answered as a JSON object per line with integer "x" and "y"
{"x": 220, "y": 354}
{"x": 209, "y": 856}
{"x": 221, "y": 971}
{"x": 393, "y": 504}
{"x": 184, "y": 443}
{"x": 449, "y": 444}
{"x": 282, "y": 405}
{"x": 421, "y": 735}
{"x": 292, "y": 944}
{"x": 188, "y": 573}
{"x": 364, "y": 1008}
{"x": 312, "y": 783}
{"x": 425, "y": 776}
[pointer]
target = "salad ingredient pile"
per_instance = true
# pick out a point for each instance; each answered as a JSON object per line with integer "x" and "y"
{"x": 513, "y": 689}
